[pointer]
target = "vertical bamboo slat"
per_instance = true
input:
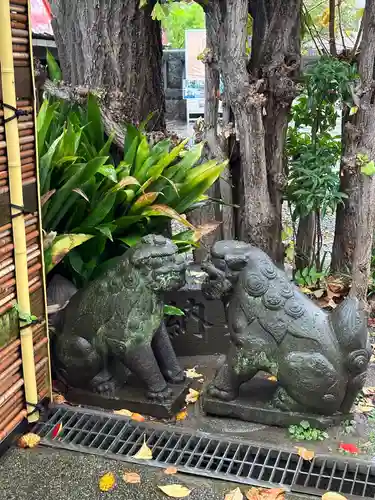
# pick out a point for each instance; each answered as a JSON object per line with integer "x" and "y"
{"x": 16, "y": 198}
{"x": 49, "y": 390}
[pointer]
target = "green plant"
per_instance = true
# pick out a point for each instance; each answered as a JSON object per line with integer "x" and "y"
{"x": 312, "y": 149}
{"x": 100, "y": 206}
{"x": 309, "y": 277}
{"x": 304, "y": 432}
{"x": 25, "y": 317}
{"x": 348, "y": 426}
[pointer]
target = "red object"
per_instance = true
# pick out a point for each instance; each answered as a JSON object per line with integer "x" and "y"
{"x": 350, "y": 448}
{"x": 56, "y": 430}
{"x": 41, "y": 16}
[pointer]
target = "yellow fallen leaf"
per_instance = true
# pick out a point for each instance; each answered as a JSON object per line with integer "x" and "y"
{"x": 144, "y": 452}
{"x": 235, "y": 494}
{"x": 58, "y": 399}
{"x": 265, "y": 494}
{"x": 192, "y": 397}
{"x": 192, "y": 373}
{"x": 29, "y": 440}
{"x": 107, "y": 482}
{"x": 305, "y": 290}
{"x": 181, "y": 415}
{"x": 368, "y": 391}
{"x": 131, "y": 477}
{"x": 124, "y": 413}
{"x": 175, "y": 490}
{"x": 272, "y": 378}
{"x": 138, "y": 417}
{"x": 330, "y": 495}
{"x": 305, "y": 454}
{"x": 365, "y": 408}
{"x": 170, "y": 471}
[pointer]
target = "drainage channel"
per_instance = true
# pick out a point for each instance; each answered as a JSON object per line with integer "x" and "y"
{"x": 202, "y": 454}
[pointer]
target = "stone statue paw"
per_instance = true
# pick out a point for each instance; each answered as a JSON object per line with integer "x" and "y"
{"x": 223, "y": 395}
{"x": 104, "y": 385}
{"x": 175, "y": 377}
{"x": 160, "y": 396}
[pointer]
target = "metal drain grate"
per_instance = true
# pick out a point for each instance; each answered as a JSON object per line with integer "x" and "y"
{"x": 204, "y": 454}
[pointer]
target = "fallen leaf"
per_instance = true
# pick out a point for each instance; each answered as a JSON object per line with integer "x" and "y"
{"x": 29, "y": 440}
{"x": 192, "y": 373}
{"x": 365, "y": 408}
{"x": 131, "y": 477}
{"x": 144, "y": 452}
{"x": 138, "y": 417}
{"x": 124, "y": 413}
{"x": 175, "y": 490}
{"x": 306, "y": 290}
{"x": 349, "y": 448}
{"x": 192, "y": 397}
{"x": 319, "y": 293}
{"x": 58, "y": 399}
{"x": 368, "y": 391}
{"x": 170, "y": 471}
{"x": 201, "y": 380}
{"x": 265, "y": 494}
{"x": 272, "y": 378}
{"x": 181, "y": 415}
{"x": 330, "y": 495}
{"x": 107, "y": 482}
{"x": 235, "y": 494}
{"x": 305, "y": 454}
{"x": 56, "y": 430}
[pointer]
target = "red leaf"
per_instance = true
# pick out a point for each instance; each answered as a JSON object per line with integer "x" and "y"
{"x": 349, "y": 448}
{"x": 56, "y": 430}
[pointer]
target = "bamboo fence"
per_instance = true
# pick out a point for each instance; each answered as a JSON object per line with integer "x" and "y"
{"x": 24, "y": 347}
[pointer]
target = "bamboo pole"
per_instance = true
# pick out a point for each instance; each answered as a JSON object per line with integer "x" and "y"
{"x": 16, "y": 198}
{"x": 43, "y": 272}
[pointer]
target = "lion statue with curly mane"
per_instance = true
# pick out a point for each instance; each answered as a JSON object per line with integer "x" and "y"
{"x": 115, "y": 324}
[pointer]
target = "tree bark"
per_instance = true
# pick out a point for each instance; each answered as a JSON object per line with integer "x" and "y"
{"x": 365, "y": 124}
{"x": 115, "y": 46}
{"x": 304, "y": 249}
{"x": 259, "y": 95}
{"x": 216, "y": 148}
{"x": 276, "y": 58}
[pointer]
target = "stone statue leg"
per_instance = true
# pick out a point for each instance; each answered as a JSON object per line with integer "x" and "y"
{"x": 166, "y": 357}
{"x": 228, "y": 379}
{"x": 77, "y": 360}
{"x": 243, "y": 362}
{"x": 142, "y": 362}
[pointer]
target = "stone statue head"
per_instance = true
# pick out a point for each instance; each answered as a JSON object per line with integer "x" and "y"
{"x": 157, "y": 261}
{"x": 223, "y": 266}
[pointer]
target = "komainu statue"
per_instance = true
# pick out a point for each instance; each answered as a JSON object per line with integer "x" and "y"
{"x": 319, "y": 358}
{"x": 115, "y": 324}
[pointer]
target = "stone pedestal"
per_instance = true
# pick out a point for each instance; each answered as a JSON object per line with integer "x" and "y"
{"x": 132, "y": 398}
{"x": 253, "y": 405}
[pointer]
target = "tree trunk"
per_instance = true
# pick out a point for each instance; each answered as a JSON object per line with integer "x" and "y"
{"x": 260, "y": 97}
{"x": 364, "y": 123}
{"x": 347, "y": 213}
{"x": 304, "y": 250}
{"x": 113, "y": 45}
{"x": 217, "y": 147}
{"x": 276, "y": 58}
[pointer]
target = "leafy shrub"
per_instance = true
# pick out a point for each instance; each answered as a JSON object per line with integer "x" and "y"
{"x": 103, "y": 206}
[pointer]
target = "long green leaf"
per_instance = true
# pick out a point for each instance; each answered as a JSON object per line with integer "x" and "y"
{"x": 179, "y": 171}
{"x": 95, "y": 127}
{"x": 54, "y": 71}
{"x": 156, "y": 171}
{"x": 44, "y": 120}
{"x": 165, "y": 211}
{"x": 45, "y": 165}
{"x": 99, "y": 212}
{"x": 60, "y": 202}
{"x": 62, "y": 245}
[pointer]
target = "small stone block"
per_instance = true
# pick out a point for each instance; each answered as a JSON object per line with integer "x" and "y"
{"x": 133, "y": 399}
{"x": 253, "y": 406}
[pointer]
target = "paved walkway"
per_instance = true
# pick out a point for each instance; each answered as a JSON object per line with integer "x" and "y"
{"x": 47, "y": 474}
